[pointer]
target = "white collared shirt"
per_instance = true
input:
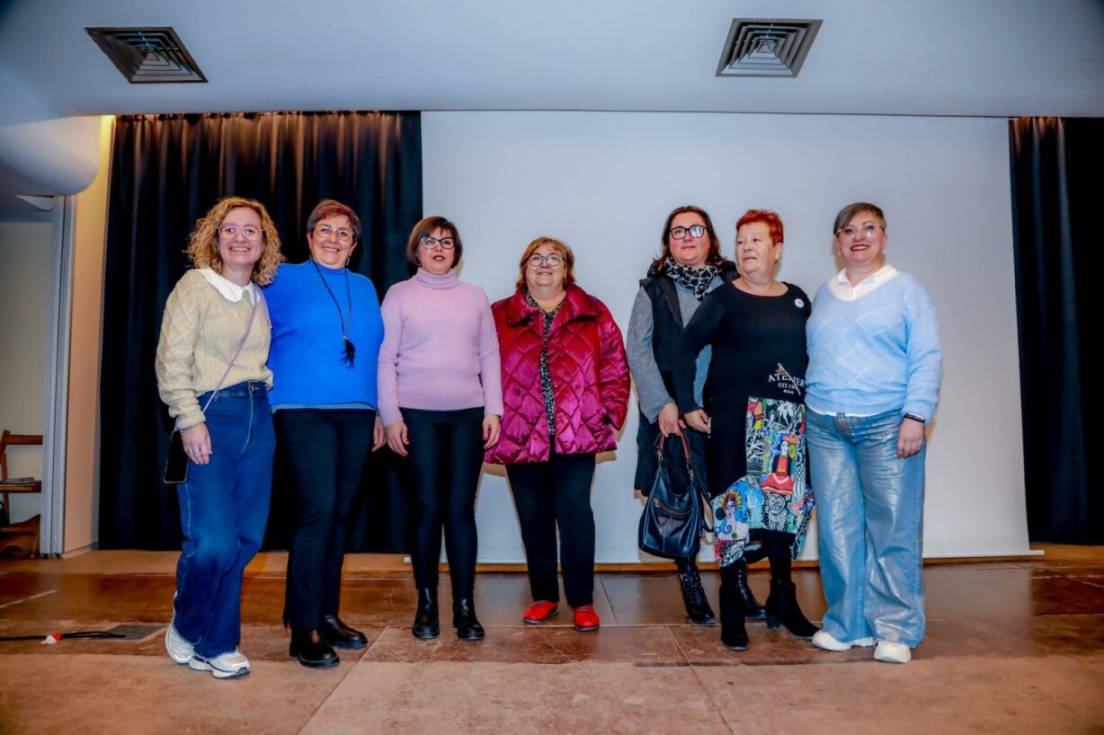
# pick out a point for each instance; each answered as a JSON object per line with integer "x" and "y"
{"x": 842, "y": 289}
{"x": 231, "y": 291}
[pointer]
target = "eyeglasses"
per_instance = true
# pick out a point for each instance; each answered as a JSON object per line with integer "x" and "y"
{"x": 851, "y": 231}
{"x": 249, "y": 232}
{"x": 429, "y": 243}
{"x": 680, "y": 232}
{"x": 341, "y": 233}
{"x": 553, "y": 259}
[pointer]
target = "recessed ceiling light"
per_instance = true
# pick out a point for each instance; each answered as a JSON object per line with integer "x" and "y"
{"x": 762, "y": 47}
{"x": 148, "y": 55}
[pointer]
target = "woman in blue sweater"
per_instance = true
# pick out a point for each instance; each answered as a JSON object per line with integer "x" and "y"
{"x": 875, "y": 366}
{"x": 326, "y": 335}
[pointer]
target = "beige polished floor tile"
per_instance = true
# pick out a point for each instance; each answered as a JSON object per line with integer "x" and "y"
{"x": 517, "y": 698}
{"x": 948, "y": 697}
{"x": 534, "y": 644}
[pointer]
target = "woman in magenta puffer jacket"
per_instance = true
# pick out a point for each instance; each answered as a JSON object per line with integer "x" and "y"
{"x": 565, "y": 385}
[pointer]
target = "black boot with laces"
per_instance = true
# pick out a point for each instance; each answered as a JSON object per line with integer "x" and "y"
{"x": 698, "y": 610}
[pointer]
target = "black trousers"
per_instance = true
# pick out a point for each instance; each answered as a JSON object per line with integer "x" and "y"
{"x": 326, "y": 450}
{"x": 446, "y": 457}
{"x": 547, "y": 495}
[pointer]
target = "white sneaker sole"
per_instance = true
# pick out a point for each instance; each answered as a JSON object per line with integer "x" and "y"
{"x": 199, "y": 664}
{"x": 827, "y": 642}
{"x": 892, "y": 653}
{"x": 176, "y": 656}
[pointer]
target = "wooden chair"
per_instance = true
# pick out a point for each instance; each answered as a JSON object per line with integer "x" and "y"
{"x": 19, "y": 484}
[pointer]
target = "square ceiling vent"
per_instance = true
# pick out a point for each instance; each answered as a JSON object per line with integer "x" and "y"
{"x": 148, "y": 55}
{"x": 761, "y": 47}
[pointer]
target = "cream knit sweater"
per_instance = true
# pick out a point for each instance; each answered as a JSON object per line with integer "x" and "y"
{"x": 200, "y": 332}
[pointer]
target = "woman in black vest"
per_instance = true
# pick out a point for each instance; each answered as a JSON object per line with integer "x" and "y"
{"x": 689, "y": 266}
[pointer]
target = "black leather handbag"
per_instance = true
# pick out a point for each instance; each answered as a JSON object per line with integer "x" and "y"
{"x": 674, "y": 520}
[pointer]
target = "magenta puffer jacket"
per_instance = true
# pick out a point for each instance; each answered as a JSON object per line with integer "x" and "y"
{"x": 590, "y": 378}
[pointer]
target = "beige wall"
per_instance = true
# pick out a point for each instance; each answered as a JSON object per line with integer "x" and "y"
{"x": 82, "y": 466}
{"x": 25, "y": 256}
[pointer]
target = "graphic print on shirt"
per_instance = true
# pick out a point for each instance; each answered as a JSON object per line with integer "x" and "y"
{"x": 788, "y": 384}
{"x": 774, "y": 495}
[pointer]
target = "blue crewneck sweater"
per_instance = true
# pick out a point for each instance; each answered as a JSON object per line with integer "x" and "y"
{"x": 876, "y": 354}
{"x": 307, "y": 348}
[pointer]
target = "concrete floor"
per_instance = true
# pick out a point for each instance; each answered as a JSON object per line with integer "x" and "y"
{"x": 1013, "y": 646}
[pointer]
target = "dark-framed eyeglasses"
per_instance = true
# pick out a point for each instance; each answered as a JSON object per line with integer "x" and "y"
{"x": 249, "y": 232}
{"x": 679, "y": 233}
{"x": 430, "y": 243}
{"x": 852, "y": 231}
{"x": 553, "y": 259}
{"x": 343, "y": 234}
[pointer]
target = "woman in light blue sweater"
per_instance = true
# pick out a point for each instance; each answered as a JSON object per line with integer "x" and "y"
{"x": 875, "y": 367}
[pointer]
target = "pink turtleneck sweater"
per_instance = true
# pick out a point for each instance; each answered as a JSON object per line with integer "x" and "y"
{"x": 440, "y": 348}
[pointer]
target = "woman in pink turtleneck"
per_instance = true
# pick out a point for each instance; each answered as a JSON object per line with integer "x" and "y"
{"x": 440, "y": 399}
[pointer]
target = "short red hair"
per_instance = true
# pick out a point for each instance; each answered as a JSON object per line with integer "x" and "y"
{"x": 767, "y": 217}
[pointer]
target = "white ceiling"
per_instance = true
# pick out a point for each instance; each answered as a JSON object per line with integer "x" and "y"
{"x": 1001, "y": 58}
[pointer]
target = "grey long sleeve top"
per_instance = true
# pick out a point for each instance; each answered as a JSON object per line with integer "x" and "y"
{"x": 652, "y": 393}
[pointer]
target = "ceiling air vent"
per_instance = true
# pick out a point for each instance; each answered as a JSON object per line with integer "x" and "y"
{"x": 148, "y": 55}
{"x": 761, "y": 47}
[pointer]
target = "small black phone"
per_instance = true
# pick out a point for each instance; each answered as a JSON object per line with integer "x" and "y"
{"x": 176, "y": 466}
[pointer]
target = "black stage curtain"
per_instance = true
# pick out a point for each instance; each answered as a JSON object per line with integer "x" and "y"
{"x": 166, "y": 172}
{"x": 1058, "y": 212}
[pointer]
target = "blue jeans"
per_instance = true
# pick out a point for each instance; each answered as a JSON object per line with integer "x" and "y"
{"x": 870, "y": 523}
{"x": 223, "y": 513}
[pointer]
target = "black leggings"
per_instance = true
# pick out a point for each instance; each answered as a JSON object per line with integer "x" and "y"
{"x": 446, "y": 457}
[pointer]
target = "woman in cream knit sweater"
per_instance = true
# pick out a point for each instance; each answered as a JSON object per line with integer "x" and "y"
{"x": 211, "y": 373}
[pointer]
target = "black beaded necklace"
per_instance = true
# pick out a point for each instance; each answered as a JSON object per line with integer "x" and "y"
{"x": 349, "y": 349}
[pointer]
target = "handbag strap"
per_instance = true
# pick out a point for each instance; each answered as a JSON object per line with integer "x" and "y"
{"x": 237, "y": 352}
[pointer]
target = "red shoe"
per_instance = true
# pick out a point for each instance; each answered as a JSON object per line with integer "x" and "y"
{"x": 586, "y": 619}
{"x": 540, "y": 611}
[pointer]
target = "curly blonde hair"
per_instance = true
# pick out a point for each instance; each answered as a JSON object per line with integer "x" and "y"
{"x": 203, "y": 242}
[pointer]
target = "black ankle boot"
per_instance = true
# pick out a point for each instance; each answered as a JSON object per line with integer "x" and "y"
{"x": 312, "y": 650}
{"x": 733, "y": 633}
{"x": 464, "y": 620}
{"x": 753, "y": 610}
{"x": 782, "y": 608}
{"x": 339, "y": 635}
{"x": 427, "y": 620}
{"x": 693, "y": 597}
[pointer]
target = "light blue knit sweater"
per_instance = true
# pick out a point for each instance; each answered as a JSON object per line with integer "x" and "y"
{"x": 876, "y": 354}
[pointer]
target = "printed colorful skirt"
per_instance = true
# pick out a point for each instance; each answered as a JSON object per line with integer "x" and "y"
{"x": 773, "y": 501}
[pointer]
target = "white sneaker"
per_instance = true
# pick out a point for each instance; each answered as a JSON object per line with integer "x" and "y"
{"x": 179, "y": 649}
{"x": 826, "y": 641}
{"x": 227, "y": 665}
{"x": 892, "y": 652}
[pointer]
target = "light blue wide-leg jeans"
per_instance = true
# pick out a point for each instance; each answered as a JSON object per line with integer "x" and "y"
{"x": 870, "y": 527}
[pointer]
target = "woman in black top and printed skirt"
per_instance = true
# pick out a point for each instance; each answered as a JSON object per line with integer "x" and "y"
{"x": 754, "y": 415}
